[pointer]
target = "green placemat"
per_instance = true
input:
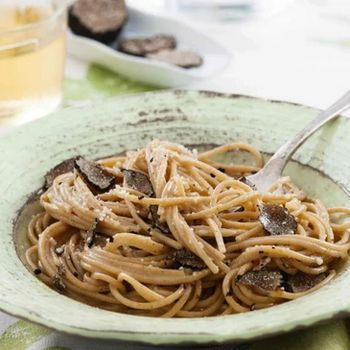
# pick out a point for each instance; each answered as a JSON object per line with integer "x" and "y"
{"x": 100, "y": 82}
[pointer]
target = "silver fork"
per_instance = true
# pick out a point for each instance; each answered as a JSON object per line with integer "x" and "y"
{"x": 272, "y": 170}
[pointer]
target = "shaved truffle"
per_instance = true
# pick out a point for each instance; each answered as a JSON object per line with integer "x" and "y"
{"x": 138, "y": 181}
{"x": 180, "y": 58}
{"x": 62, "y": 168}
{"x": 156, "y": 223}
{"x": 91, "y": 234}
{"x": 277, "y": 220}
{"x": 301, "y": 282}
{"x": 95, "y": 176}
{"x": 185, "y": 258}
{"x": 100, "y": 20}
{"x": 269, "y": 279}
{"x": 189, "y": 260}
{"x": 144, "y": 46}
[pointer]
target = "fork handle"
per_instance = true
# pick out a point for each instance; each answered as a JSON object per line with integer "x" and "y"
{"x": 279, "y": 160}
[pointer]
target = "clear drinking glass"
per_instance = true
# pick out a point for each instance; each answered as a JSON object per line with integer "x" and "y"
{"x": 32, "y": 55}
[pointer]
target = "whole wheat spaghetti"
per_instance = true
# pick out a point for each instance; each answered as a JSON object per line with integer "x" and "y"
{"x": 176, "y": 234}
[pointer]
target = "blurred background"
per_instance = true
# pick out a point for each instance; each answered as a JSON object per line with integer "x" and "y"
{"x": 283, "y": 49}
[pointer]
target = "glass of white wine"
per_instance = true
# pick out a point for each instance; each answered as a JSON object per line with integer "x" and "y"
{"x": 32, "y": 55}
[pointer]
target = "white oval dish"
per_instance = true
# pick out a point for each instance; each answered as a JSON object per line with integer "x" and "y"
{"x": 145, "y": 70}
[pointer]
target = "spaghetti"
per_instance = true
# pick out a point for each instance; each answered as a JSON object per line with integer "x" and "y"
{"x": 182, "y": 235}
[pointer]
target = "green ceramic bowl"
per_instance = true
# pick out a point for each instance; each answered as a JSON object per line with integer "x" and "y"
{"x": 322, "y": 169}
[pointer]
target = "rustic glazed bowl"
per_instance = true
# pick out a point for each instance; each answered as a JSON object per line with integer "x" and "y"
{"x": 322, "y": 169}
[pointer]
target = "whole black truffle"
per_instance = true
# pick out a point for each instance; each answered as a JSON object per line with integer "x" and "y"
{"x": 100, "y": 20}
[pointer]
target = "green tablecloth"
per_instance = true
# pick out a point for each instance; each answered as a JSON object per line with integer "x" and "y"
{"x": 16, "y": 334}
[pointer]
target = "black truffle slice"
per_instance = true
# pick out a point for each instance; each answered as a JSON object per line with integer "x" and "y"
{"x": 180, "y": 58}
{"x": 277, "y": 220}
{"x": 265, "y": 278}
{"x": 62, "y": 168}
{"x": 185, "y": 258}
{"x": 100, "y": 20}
{"x": 301, "y": 282}
{"x": 138, "y": 181}
{"x": 95, "y": 176}
{"x": 144, "y": 46}
{"x": 156, "y": 223}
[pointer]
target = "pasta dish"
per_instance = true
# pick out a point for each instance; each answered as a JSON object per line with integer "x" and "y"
{"x": 164, "y": 231}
